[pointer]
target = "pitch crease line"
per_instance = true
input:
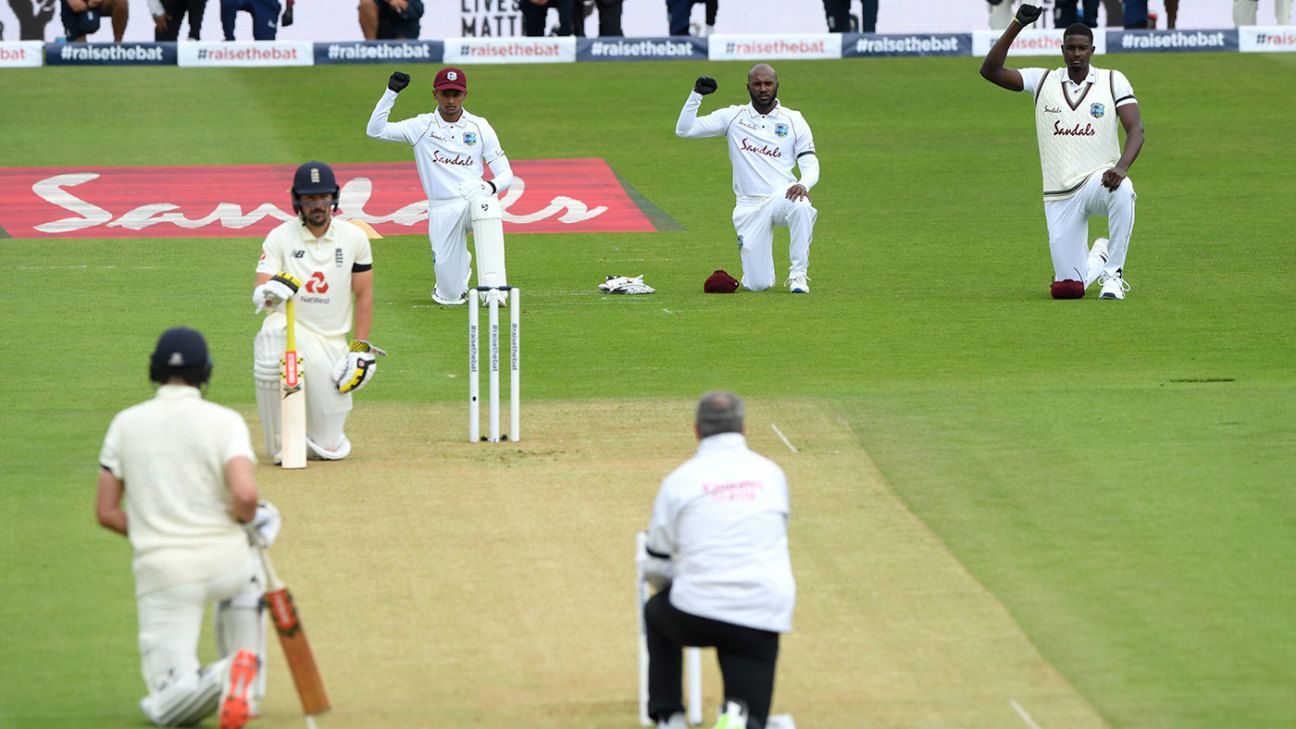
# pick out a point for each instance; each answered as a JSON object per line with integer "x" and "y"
{"x": 791, "y": 447}
{"x": 1022, "y": 713}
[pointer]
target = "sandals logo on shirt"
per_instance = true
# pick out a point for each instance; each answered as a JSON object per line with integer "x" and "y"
{"x": 1097, "y": 110}
{"x": 781, "y": 130}
{"x": 470, "y": 138}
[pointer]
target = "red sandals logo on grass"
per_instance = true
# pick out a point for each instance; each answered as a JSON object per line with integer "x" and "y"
{"x": 547, "y": 196}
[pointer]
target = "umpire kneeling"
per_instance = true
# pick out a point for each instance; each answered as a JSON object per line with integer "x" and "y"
{"x": 718, "y": 550}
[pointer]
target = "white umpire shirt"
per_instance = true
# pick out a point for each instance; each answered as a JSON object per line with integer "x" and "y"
{"x": 723, "y": 517}
{"x": 763, "y": 148}
{"x": 447, "y": 154}
{"x": 170, "y": 452}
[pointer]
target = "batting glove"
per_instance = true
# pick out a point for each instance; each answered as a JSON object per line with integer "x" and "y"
{"x": 705, "y": 85}
{"x": 265, "y": 524}
{"x": 398, "y": 81}
{"x": 354, "y": 371}
{"x": 281, "y": 287}
{"x": 1027, "y": 14}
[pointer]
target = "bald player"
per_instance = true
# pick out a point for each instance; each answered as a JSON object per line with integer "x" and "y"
{"x": 766, "y": 140}
{"x": 452, "y": 149}
{"x": 1085, "y": 168}
{"x": 326, "y": 265}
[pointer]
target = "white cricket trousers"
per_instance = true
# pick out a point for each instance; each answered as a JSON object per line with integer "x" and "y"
{"x": 1068, "y": 227}
{"x": 448, "y": 227}
{"x": 1244, "y": 12}
{"x": 170, "y": 621}
{"x": 754, "y": 220}
{"x": 326, "y": 408}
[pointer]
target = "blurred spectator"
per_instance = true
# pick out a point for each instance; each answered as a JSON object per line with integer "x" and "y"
{"x": 1065, "y": 12}
{"x": 390, "y": 19}
{"x": 840, "y": 20}
{"x": 1136, "y": 14}
{"x": 82, "y": 18}
{"x": 169, "y": 14}
{"x": 1244, "y": 11}
{"x": 609, "y": 12}
{"x": 32, "y": 17}
{"x": 1001, "y": 13}
{"x": 1172, "y": 13}
{"x": 265, "y": 17}
{"x": 678, "y": 12}
{"x": 534, "y": 13}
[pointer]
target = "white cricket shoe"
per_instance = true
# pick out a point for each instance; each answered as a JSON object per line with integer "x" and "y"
{"x": 446, "y": 302}
{"x": 676, "y": 721}
{"x": 1114, "y": 288}
{"x": 734, "y": 715}
{"x": 1097, "y": 259}
{"x": 798, "y": 283}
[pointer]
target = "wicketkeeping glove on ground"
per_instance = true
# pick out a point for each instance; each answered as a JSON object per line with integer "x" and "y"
{"x": 354, "y": 371}
{"x": 281, "y": 287}
{"x": 398, "y": 81}
{"x": 1027, "y": 14}
{"x": 705, "y": 85}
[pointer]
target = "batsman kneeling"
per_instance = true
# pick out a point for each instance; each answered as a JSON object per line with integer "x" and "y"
{"x": 315, "y": 280}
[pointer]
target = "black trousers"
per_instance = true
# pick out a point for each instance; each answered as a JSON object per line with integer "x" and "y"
{"x": 533, "y": 17}
{"x": 838, "y": 12}
{"x": 176, "y": 10}
{"x": 747, "y": 657}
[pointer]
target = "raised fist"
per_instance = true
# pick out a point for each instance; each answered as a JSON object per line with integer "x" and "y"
{"x": 1027, "y": 14}
{"x": 705, "y": 85}
{"x": 399, "y": 80}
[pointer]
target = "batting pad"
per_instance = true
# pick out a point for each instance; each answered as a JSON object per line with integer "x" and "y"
{"x": 488, "y": 239}
{"x": 267, "y": 351}
{"x": 188, "y": 699}
{"x": 239, "y": 623}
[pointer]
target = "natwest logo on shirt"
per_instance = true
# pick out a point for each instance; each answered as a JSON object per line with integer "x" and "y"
{"x": 21, "y": 54}
{"x": 764, "y": 47}
{"x": 510, "y": 50}
{"x": 570, "y": 195}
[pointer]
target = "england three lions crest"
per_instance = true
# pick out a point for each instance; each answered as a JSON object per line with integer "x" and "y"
{"x": 1097, "y": 110}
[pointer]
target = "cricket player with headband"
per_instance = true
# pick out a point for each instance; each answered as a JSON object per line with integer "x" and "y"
{"x": 183, "y": 468}
{"x": 1085, "y": 167}
{"x": 766, "y": 140}
{"x": 326, "y": 266}
{"x": 717, "y": 548}
{"x": 452, "y": 149}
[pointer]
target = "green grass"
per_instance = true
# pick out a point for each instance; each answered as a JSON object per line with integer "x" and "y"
{"x": 1137, "y": 524}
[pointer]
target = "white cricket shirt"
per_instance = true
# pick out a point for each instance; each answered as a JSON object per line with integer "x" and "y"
{"x": 324, "y": 266}
{"x": 763, "y": 148}
{"x": 723, "y": 516}
{"x": 446, "y": 154}
{"x": 1076, "y": 125}
{"x": 171, "y": 452}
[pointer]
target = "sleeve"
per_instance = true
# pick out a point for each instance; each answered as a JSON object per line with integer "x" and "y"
{"x": 501, "y": 173}
{"x": 1031, "y": 78}
{"x": 270, "y": 262}
{"x": 661, "y": 530}
{"x": 239, "y": 442}
{"x": 1122, "y": 92}
{"x": 809, "y": 164}
{"x": 380, "y": 128}
{"x": 491, "y": 149}
{"x": 110, "y": 454}
{"x": 155, "y": 8}
{"x": 364, "y": 251}
{"x": 689, "y": 126}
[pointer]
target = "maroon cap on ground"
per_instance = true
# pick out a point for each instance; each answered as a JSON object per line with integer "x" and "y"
{"x": 450, "y": 78}
{"x": 720, "y": 282}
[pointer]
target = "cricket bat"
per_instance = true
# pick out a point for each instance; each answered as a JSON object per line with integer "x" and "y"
{"x": 292, "y": 638}
{"x": 292, "y": 403}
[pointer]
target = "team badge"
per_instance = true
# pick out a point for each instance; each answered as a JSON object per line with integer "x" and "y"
{"x": 470, "y": 138}
{"x": 452, "y": 76}
{"x": 1097, "y": 110}
{"x": 781, "y": 130}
